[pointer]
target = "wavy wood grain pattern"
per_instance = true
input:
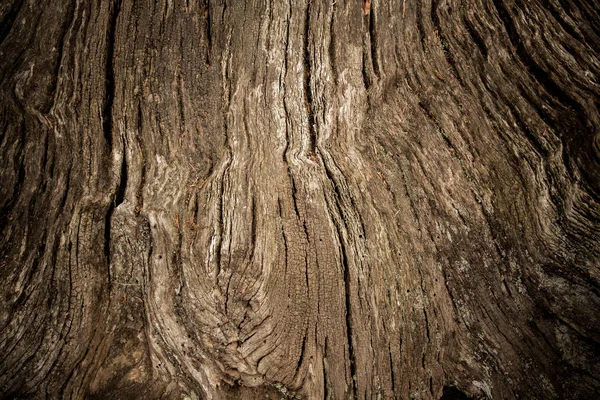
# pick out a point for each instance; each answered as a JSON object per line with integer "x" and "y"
{"x": 310, "y": 199}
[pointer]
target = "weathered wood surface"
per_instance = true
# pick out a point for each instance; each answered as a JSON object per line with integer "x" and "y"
{"x": 321, "y": 199}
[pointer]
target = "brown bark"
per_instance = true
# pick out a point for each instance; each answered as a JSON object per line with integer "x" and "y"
{"x": 313, "y": 199}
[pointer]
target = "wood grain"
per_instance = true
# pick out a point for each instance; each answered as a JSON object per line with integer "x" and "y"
{"x": 308, "y": 199}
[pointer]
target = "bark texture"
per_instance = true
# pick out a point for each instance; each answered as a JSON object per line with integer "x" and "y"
{"x": 312, "y": 199}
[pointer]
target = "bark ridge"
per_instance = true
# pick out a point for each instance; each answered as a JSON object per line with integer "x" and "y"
{"x": 307, "y": 199}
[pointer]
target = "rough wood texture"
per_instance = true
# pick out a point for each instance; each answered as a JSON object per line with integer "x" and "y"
{"x": 321, "y": 199}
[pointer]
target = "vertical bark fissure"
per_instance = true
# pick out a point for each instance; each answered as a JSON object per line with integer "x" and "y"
{"x": 325, "y": 377}
{"x": 141, "y": 150}
{"x": 419, "y": 23}
{"x": 108, "y": 129}
{"x": 180, "y": 106}
{"x": 301, "y": 358}
{"x": 373, "y": 41}
{"x": 208, "y": 31}
{"x": 348, "y": 299}
{"x": 431, "y": 386}
{"x": 338, "y": 215}
{"x": 331, "y": 47}
{"x": 308, "y": 83}
{"x": 109, "y": 72}
{"x": 283, "y": 85}
{"x": 122, "y": 186}
{"x": 283, "y": 235}
{"x": 392, "y": 373}
{"x": 226, "y": 87}
{"x": 365, "y": 74}
{"x": 253, "y": 227}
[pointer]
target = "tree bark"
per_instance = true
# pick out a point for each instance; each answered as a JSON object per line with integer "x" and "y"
{"x": 310, "y": 199}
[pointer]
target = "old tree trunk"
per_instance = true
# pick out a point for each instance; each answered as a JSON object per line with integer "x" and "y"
{"x": 313, "y": 199}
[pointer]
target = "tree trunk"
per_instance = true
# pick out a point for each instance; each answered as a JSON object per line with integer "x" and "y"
{"x": 311, "y": 199}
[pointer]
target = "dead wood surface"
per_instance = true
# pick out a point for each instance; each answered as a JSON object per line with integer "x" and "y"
{"x": 311, "y": 199}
